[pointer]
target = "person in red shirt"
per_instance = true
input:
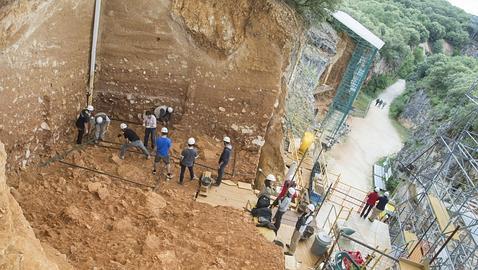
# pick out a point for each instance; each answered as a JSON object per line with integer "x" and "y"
{"x": 372, "y": 199}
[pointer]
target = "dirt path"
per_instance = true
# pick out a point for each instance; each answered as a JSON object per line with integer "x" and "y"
{"x": 370, "y": 139}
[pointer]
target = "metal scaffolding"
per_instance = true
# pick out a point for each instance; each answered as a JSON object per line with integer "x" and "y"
{"x": 353, "y": 78}
{"x": 440, "y": 195}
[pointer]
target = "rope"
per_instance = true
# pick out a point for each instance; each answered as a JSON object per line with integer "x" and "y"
{"x": 104, "y": 173}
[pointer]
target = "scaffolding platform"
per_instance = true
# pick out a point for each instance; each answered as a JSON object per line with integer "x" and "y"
{"x": 443, "y": 218}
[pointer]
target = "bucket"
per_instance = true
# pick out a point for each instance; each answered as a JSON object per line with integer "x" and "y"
{"x": 321, "y": 242}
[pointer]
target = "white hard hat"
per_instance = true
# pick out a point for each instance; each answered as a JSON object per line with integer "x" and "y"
{"x": 311, "y": 207}
{"x": 164, "y": 130}
{"x": 271, "y": 178}
{"x": 291, "y": 190}
{"x": 99, "y": 120}
{"x": 170, "y": 109}
{"x": 191, "y": 141}
{"x": 377, "y": 189}
{"x": 227, "y": 139}
{"x": 90, "y": 108}
{"x": 386, "y": 194}
{"x": 123, "y": 126}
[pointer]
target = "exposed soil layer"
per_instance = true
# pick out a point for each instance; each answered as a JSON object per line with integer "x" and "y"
{"x": 102, "y": 222}
{"x": 218, "y": 64}
{"x": 43, "y": 69}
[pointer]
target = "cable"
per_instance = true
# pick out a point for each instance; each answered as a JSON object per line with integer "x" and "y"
{"x": 104, "y": 173}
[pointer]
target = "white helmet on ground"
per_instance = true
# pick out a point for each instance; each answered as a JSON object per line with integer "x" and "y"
{"x": 170, "y": 109}
{"x": 227, "y": 139}
{"x": 311, "y": 207}
{"x": 164, "y": 130}
{"x": 291, "y": 190}
{"x": 386, "y": 194}
{"x": 99, "y": 120}
{"x": 90, "y": 108}
{"x": 377, "y": 189}
{"x": 191, "y": 141}
{"x": 123, "y": 126}
{"x": 271, "y": 178}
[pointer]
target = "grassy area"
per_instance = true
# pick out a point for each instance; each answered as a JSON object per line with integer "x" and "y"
{"x": 361, "y": 105}
{"x": 403, "y": 132}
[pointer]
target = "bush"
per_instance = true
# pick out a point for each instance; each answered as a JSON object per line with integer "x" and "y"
{"x": 397, "y": 106}
{"x": 377, "y": 84}
{"x": 437, "y": 46}
{"x": 392, "y": 184}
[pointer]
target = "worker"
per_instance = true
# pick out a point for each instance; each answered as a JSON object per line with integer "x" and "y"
{"x": 223, "y": 160}
{"x": 83, "y": 123}
{"x": 372, "y": 199}
{"x": 264, "y": 197}
{"x": 267, "y": 190}
{"x": 163, "y": 147}
{"x": 304, "y": 220}
{"x": 102, "y": 122}
{"x": 284, "y": 205}
{"x": 149, "y": 123}
{"x": 163, "y": 114}
{"x": 187, "y": 159}
{"x": 132, "y": 140}
{"x": 283, "y": 192}
{"x": 382, "y": 202}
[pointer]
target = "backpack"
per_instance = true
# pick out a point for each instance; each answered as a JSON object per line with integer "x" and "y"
{"x": 263, "y": 201}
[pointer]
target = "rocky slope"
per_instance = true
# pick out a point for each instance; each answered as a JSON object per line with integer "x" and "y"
{"x": 19, "y": 248}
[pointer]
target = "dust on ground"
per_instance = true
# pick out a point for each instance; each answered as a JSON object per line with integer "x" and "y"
{"x": 99, "y": 221}
{"x": 370, "y": 139}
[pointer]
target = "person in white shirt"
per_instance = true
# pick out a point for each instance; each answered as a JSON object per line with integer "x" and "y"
{"x": 284, "y": 205}
{"x": 102, "y": 122}
{"x": 149, "y": 124}
{"x": 304, "y": 220}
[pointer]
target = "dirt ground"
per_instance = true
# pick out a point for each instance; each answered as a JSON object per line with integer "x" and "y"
{"x": 101, "y": 222}
{"x": 370, "y": 139}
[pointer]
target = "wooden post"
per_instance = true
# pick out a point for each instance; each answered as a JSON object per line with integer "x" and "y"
{"x": 378, "y": 259}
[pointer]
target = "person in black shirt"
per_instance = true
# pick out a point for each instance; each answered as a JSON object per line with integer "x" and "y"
{"x": 223, "y": 160}
{"x": 132, "y": 140}
{"x": 83, "y": 123}
{"x": 382, "y": 202}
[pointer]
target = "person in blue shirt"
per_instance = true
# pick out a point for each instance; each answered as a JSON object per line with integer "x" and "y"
{"x": 223, "y": 160}
{"x": 163, "y": 146}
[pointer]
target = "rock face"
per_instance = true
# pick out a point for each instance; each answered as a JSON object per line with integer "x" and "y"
{"x": 19, "y": 248}
{"x": 219, "y": 64}
{"x": 43, "y": 70}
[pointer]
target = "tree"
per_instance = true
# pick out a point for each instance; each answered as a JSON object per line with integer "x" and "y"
{"x": 437, "y": 46}
{"x": 437, "y": 31}
{"x": 314, "y": 11}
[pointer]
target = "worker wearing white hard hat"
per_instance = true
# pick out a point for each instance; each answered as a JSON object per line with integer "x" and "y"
{"x": 164, "y": 113}
{"x": 268, "y": 189}
{"x": 223, "y": 160}
{"x": 370, "y": 202}
{"x": 83, "y": 123}
{"x": 102, "y": 122}
{"x": 163, "y": 149}
{"x": 284, "y": 205}
{"x": 149, "y": 124}
{"x": 380, "y": 207}
{"x": 188, "y": 158}
{"x": 304, "y": 220}
{"x": 131, "y": 140}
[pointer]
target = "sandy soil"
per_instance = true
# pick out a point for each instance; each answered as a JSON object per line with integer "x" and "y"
{"x": 100, "y": 222}
{"x": 370, "y": 138}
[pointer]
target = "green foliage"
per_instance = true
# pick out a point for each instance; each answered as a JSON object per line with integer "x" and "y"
{"x": 314, "y": 11}
{"x": 445, "y": 80}
{"x": 437, "y": 46}
{"x": 391, "y": 184}
{"x": 403, "y": 24}
{"x": 377, "y": 84}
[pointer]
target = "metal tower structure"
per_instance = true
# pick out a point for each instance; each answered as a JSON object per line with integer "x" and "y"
{"x": 367, "y": 45}
{"x": 441, "y": 197}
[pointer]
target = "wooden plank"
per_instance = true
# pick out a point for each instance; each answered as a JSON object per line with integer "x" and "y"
{"x": 412, "y": 240}
{"x": 442, "y": 216}
{"x": 244, "y": 185}
{"x": 228, "y": 182}
{"x": 410, "y": 265}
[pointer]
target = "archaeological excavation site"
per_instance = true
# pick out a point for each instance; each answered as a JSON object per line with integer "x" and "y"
{"x": 237, "y": 134}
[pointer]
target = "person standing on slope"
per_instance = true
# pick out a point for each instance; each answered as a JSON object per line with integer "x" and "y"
{"x": 224, "y": 160}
